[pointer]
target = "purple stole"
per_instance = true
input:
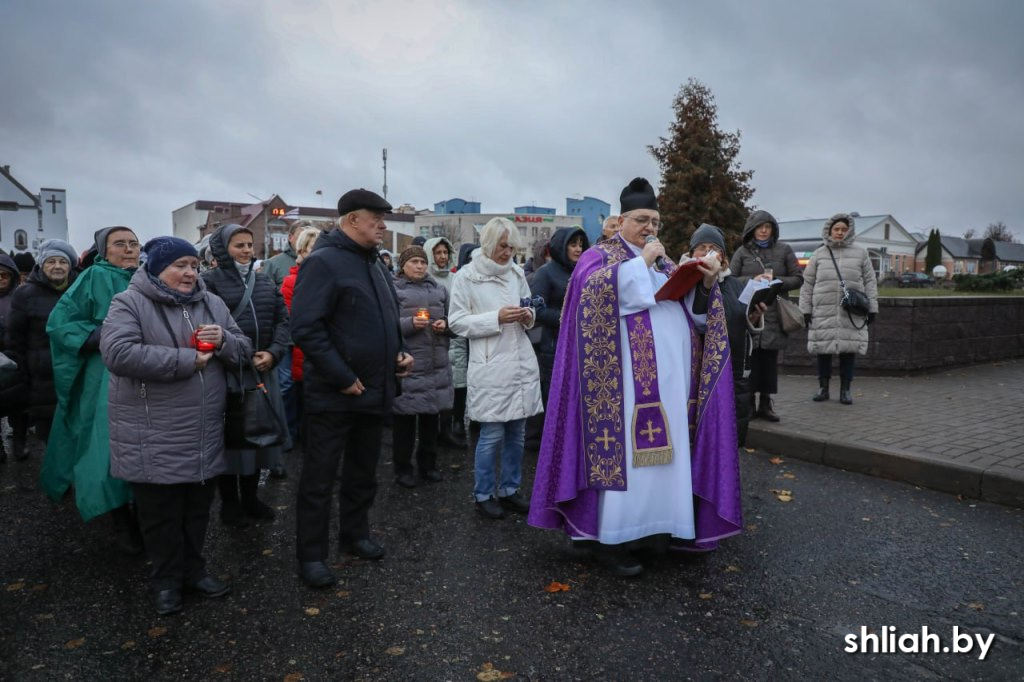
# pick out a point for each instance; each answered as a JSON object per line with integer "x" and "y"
{"x": 583, "y": 449}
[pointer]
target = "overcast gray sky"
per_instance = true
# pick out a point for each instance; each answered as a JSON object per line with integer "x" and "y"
{"x": 912, "y": 108}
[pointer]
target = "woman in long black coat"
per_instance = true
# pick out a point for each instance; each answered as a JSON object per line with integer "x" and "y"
{"x": 265, "y": 321}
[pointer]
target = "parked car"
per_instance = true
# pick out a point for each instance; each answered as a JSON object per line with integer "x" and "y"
{"x": 915, "y": 279}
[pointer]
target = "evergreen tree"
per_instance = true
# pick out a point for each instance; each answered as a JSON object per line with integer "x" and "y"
{"x": 933, "y": 256}
{"x": 701, "y": 181}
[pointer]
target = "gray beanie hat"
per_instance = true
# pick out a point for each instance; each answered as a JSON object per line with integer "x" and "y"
{"x": 708, "y": 234}
{"x": 57, "y": 247}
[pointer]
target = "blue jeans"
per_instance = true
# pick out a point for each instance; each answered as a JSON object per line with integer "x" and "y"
{"x": 509, "y": 437}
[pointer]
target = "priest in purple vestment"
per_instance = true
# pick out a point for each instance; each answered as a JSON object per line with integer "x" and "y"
{"x": 639, "y": 445}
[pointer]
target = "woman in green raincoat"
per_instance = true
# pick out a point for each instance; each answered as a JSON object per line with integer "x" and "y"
{"x": 78, "y": 453}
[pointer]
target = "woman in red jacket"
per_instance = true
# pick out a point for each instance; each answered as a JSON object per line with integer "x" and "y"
{"x": 292, "y": 392}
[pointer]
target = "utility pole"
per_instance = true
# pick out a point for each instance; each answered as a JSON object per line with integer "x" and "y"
{"x": 385, "y": 172}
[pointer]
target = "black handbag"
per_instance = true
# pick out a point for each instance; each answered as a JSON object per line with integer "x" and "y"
{"x": 250, "y": 420}
{"x": 854, "y": 301}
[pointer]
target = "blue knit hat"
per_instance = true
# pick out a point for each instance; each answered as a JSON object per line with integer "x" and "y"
{"x": 162, "y": 251}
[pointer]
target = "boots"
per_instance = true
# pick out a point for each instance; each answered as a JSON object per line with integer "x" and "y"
{"x": 19, "y": 435}
{"x": 822, "y": 394}
{"x": 447, "y": 435}
{"x": 231, "y": 512}
{"x": 252, "y": 504}
{"x": 127, "y": 535}
{"x": 765, "y": 410}
{"x": 845, "y": 397}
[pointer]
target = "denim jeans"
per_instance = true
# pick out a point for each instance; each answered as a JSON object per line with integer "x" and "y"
{"x": 508, "y": 436}
{"x": 291, "y": 394}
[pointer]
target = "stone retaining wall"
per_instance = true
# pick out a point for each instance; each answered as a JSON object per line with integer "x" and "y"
{"x": 915, "y": 334}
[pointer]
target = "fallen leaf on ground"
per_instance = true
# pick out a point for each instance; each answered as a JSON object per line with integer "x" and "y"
{"x": 783, "y": 495}
{"x": 704, "y": 595}
{"x": 750, "y": 449}
{"x": 749, "y": 622}
{"x": 268, "y": 552}
{"x": 75, "y": 643}
{"x": 776, "y": 460}
{"x": 130, "y": 644}
{"x": 488, "y": 673}
{"x": 732, "y": 569}
{"x": 976, "y": 605}
{"x": 395, "y": 651}
{"x": 342, "y": 594}
{"x": 222, "y": 668}
{"x": 14, "y": 587}
{"x": 157, "y": 631}
{"x": 312, "y": 611}
{"x": 556, "y": 586}
{"x": 294, "y": 677}
{"x": 789, "y": 475}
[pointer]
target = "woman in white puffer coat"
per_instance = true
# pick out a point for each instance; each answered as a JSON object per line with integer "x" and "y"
{"x": 503, "y": 379}
{"x": 830, "y": 329}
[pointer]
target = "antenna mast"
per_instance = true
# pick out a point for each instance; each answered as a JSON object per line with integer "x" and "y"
{"x": 385, "y": 155}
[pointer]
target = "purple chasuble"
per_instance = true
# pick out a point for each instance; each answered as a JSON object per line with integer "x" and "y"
{"x": 585, "y": 408}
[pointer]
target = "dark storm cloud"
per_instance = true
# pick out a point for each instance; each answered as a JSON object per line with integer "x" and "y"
{"x": 909, "y": 108}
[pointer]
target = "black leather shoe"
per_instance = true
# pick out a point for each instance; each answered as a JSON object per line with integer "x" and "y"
{"x": 278, "y": 472}
{"x": 515, "y": 503}
{"x": 490, "y": 509}
{"x": 364, "y": 548}
{"x": 259, "y": 510}
{"x": 617, "y": 561}
{"x": 233, "y": 516}
{"x": 845, "y": 397}
{"x": 316, "y": 574}
{"x": 449, "y": 440}
{"x": 209, "y": 587}
{"x": 432, "y": 476}
{"x": 406, "y": 481}
{"x": 168, "y": 601}
{"x": 766, "y": 411}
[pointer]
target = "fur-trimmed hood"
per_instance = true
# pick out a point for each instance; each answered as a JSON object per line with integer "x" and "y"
{"x": 850, "y": 234}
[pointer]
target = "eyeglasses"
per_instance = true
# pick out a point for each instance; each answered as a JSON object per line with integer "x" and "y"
{"x": 645, "y": 220}
{"x": 705, "y": 249}
{"x": 5, "y": 275}
{"x": 122, "y": 244}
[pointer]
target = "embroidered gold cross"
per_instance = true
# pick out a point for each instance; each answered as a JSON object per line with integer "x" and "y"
{"x": 605, "y": 440}
{"x": 649, "y": 431}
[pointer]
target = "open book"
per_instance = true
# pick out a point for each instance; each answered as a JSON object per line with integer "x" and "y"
{"x": 679, "y": 284}
{"x": 760, "y": 291}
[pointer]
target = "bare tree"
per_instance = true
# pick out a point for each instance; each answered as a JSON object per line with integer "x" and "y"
{"x": 969, "y": 233}
{"x": 998, "y": 231}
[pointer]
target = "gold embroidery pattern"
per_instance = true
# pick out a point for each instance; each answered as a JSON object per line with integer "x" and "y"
{"x": 641, "y": 343}
{"x": 643, "y": 454}
{"x": 716, "y": 347}
{"x": 601, "y": 369}
{"x": 605, "y": 468}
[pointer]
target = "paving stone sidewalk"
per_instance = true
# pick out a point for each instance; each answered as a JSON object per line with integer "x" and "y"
{"x": 959, "y": 431}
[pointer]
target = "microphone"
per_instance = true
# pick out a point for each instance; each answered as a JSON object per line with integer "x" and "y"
{"x": 659, "y": 262}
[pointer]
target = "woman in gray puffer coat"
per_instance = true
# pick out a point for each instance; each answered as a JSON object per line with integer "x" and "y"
{"x": 423, "y": 317}
{"x": 763, "y": 256}
{"x": 166, "y": 410}
{"x": 830, "y": 328}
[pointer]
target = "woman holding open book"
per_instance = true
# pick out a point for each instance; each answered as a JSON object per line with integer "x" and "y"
{"x": 763, "y": 256}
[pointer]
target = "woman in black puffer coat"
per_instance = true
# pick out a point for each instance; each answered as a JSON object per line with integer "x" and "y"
{"x": 27, "y": 342}
{"x": 12, "y": 392}
{"x": 265, "y": 321}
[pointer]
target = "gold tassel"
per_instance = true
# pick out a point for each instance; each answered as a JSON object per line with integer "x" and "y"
{"x": 655, "y": 457}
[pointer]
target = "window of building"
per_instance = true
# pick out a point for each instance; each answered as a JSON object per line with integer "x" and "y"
{"x": 20, "y": 240}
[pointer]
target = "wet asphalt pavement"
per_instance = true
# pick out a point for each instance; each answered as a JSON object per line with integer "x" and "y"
{"x": 459, "y": 597}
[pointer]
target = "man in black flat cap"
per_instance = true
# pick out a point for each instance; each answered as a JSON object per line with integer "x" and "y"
{"x": 345, "y": 319}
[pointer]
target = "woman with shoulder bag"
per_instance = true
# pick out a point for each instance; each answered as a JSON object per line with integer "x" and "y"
{"x": 837, "y": 265}
{"x": 763, "y": 256}
{"x": 258, "y": 308}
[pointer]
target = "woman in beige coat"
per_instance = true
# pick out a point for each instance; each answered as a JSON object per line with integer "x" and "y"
{"x": 830, "y": 328}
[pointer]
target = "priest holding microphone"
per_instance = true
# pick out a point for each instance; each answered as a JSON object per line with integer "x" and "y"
{"x": 639, "y": 448}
